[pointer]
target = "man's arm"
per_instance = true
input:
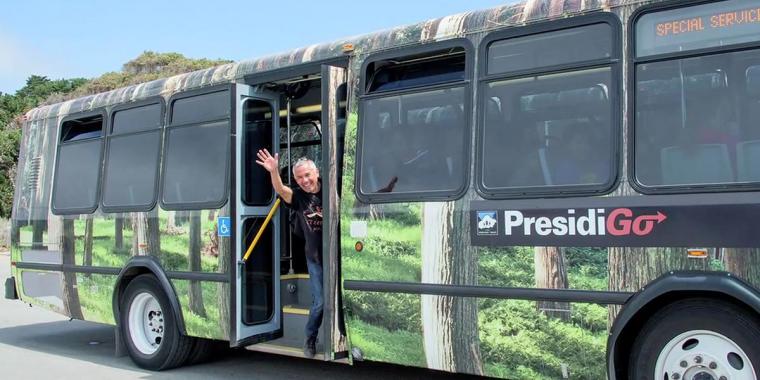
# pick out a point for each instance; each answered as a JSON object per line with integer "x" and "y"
{"x": 272, "y": 165}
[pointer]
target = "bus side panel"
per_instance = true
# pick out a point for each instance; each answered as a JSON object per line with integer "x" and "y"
{"x": 30, "y": 241}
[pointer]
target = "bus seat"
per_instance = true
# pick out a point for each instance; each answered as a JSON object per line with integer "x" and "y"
{"x": 748, "y": 160}
{"x": 695, "y": 164}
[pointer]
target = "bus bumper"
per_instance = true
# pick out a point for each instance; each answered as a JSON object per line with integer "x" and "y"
{"x": 10, "y": 289}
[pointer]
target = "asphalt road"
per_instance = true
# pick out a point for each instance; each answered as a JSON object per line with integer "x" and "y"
{"x": 36, "y": 343}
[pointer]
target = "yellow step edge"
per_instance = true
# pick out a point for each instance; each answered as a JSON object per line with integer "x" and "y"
{"x": 295, "y": 310}
{"x": 294, "y": 276}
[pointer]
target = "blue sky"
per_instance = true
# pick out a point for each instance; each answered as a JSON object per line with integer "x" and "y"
{"x": 66, "y": 39}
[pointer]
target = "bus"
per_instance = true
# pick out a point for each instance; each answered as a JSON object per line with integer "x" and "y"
{"x": 550, "y": 189}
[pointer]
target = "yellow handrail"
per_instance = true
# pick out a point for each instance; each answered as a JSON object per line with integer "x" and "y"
{"x": 261, "y": 229}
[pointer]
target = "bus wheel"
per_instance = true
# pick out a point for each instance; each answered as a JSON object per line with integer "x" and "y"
{"x": 697, "y": 339}
{"x": 149, "y": 326}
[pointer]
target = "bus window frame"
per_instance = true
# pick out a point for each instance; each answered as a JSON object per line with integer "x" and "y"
{"x": 616, "y": 98}
{"x": 230, "y": 88}
{"x": 467, "y": 88}
{"x": 633, "y": 63}
{"x": 102, "y": 112}
{"x": 109, "y": 135}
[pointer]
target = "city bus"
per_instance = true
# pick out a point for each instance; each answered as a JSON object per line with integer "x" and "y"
{"x": 550, "y": 189}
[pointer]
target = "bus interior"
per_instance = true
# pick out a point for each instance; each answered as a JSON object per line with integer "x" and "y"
{"x": 300, "y": 135}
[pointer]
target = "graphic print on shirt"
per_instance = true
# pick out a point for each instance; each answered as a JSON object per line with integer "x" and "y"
{"x": 313, "y": 217}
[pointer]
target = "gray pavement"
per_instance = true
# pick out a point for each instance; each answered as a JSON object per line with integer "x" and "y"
{"x": 35, "y": 343}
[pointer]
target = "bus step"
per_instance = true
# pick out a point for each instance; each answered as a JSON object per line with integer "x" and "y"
{"x": 295, "y": 289}
{"x": 294, "y": 318}
{"x": 274, "y": 348}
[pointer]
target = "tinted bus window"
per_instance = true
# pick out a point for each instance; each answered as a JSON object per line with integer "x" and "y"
{"x": 132, "y": 159}
{"x": 196, "y": 152}
{"x": 197, "y": 109}
{"x": 697, "y": 120}
{"x": 550, "y": 130}
{"x": 414, "y": 143}
{"x": 560, "y": 47}
{"x": 702, "y": 26}
{"x": 78, "y": 166}
{"x": 137, "y": 119}
{"x": 196, "y": 165}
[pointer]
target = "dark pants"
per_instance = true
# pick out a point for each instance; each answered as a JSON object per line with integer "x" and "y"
{"x": 317, "y": 300}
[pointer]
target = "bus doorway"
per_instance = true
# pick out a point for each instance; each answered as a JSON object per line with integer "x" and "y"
{"x": 308, "y": 123}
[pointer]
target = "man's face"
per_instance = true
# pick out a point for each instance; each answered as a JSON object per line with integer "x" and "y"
{"x": 307, "y": 178}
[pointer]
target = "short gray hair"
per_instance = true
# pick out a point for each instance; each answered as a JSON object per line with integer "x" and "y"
{"x": 304, "y": 161}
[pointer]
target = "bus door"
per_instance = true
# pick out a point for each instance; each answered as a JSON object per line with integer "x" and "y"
{"x": 257, "y": 315}
{"x": 334, "y": 95}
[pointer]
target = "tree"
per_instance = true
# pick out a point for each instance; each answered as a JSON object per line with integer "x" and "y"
{"x": 118, "y": 232}
{"x": 72, "y": 306}
{"x": 139, "y": 234}
{"x": 87, "y": 261}
{"x": 194, "y": 258}
{"x": 449, "y": 324}
{"x": 551, "y": 273}
{"x": 743, "y": 262}
{"x": 223, "y": 288}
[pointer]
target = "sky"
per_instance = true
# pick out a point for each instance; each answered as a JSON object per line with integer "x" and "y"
{"x": 86, "y": 38}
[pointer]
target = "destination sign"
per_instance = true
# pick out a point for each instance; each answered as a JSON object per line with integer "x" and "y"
{"x": 698, "y": 27}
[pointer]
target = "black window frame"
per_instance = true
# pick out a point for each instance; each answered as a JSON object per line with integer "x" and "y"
{"x": 633, "y": 63}
{"x": 616, "y": 98}
{"x": 467, "y": 88}
{"x": 109, "y": 134}
{"x": 230, "y": 147}
{"x": 102, "y": 112}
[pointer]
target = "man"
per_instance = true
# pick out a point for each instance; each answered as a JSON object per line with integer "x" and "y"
{"x": 306, "y": 201}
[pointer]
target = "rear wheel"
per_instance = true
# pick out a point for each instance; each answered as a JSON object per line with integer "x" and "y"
{"x": 698, "y": 339}
{"x": 149, "y": 326}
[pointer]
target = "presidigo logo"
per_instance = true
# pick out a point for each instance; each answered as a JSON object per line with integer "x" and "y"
{"x": 619, "y": 222}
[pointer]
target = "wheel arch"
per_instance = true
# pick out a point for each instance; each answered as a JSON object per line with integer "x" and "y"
{"x": 139, "y": 265}
{"x": 668, "y": 288}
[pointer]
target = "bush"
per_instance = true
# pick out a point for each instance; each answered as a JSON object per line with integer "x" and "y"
{"x": 390, "y": 311}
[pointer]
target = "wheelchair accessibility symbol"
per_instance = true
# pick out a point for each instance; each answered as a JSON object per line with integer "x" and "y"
{"x": 223, "y": 226}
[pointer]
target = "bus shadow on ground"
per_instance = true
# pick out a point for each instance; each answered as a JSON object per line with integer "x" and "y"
{"x": 95, "y": 343}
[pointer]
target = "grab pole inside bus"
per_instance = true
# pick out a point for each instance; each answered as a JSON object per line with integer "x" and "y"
{"x": 261, "y": 230}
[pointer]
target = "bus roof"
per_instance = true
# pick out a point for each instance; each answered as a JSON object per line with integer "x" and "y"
{"x": 513, "y": 14}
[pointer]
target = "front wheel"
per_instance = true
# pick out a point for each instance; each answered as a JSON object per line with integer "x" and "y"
{"x": 149, "y": 326}
{"x": 698, "y": 339}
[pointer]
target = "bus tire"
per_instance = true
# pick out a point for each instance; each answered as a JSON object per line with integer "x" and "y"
{"x": 204, "y": 350}
{"x": 149, "y": 326}
{"x": 697, "y": 336}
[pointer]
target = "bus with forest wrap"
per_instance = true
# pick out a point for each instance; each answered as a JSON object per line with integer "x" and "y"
{"x": 551, "y": 189}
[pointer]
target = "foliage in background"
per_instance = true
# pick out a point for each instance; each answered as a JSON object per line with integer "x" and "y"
{"x": 40, "y": 90}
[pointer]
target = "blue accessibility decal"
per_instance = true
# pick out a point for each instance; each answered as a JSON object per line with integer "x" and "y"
{"x": 223, "y": 226}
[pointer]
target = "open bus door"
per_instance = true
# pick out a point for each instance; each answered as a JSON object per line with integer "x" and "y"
{"x": 257, "y": 313}
{"x": 334, "y": 95}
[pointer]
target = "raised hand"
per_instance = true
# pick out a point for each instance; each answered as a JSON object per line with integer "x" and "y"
{"x": 266, "y": 160}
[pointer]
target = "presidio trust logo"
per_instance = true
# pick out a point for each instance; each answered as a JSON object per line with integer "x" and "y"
{"x": 594, "y": 222}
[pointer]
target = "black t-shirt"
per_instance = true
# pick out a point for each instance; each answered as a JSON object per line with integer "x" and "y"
{"x": 308, "y": 210}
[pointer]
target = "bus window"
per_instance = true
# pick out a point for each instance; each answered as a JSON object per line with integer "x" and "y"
{"x": 196, "y": 153}
{"x": 558, "y": 132}
{"x": 132, "y": 159}
{"x": 547, "y": 113}
{"x": 78, "y": 165}
{"x": 554, "y": 48}
{"x": 412, "y": 140}
{"x": 696, "y": 120}
{"x": 417, "y": 148}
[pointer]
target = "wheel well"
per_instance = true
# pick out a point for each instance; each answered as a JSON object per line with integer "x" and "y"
{"x": 124, "y": 279}
{"x": 627, "y": 336}
{"x": 147, "y": 267}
